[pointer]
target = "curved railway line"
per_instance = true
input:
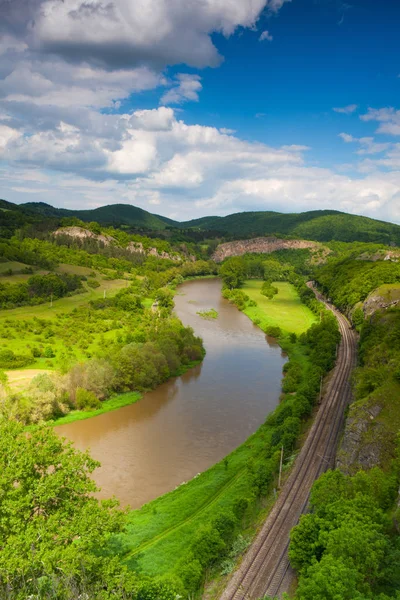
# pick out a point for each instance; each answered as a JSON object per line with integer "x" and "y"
{"x": 265, "y": 569}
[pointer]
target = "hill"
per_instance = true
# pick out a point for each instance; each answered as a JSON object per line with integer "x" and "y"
{"x": 318, "y": 225}
{"x": 114, "y": 214}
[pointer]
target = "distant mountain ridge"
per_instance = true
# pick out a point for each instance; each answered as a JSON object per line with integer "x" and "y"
{"x": 318, "y": 225}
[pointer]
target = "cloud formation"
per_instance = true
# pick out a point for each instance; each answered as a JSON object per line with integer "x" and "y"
{"x": 388, "y": 119}
{"x": 265, "y": 36}
{"x": 346, "y": 110}
{"x": 185, "y": 87}
{"x": 124, "y": 33}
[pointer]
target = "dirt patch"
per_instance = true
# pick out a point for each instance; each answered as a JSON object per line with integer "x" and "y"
{"x": 20, "y": 379}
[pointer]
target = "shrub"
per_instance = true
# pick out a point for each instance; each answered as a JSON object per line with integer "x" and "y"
{"x": 208, "y": 546}
{"x": 86, "y": 400}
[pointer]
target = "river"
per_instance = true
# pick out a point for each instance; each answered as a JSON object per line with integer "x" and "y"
{"x": 190, "y": 422}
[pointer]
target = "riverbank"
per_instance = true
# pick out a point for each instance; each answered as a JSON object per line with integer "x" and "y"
{"x": 160, "y": 535}
{"x": 116, "y": 402}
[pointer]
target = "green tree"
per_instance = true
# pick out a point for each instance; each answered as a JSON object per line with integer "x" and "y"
{"x": 268, "y": 290}
{"x": 233, "y": 272}
{"x": 51, "y": 526}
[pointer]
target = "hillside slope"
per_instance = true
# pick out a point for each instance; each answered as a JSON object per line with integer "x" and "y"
{"x": 319, "y": 225}
{"x": 114, "y": 214}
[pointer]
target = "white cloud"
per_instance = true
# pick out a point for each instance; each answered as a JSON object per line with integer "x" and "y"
{"x": 389, "y": 119}
{"x": 189, "y": 170}
{"x": 123, "y": 32}
{"x": 368, "y": 144}
{"x": 346, "y": 110}
{"x": 186, "y": 87}
{"x": 265, "y": 36}
{"x": 347, "y": 138}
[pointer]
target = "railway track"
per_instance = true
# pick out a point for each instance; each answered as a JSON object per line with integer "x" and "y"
{"x": 265, "y": 569}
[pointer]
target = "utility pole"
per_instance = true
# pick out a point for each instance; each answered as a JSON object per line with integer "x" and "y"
{"x": 320, "y": 390}
{"x": 51, "y": 300}
{"x": 104, "y": 294}
{"x": 280, "y": 469}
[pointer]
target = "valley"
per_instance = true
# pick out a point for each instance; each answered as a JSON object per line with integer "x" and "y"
{"x": 211, "y": 392}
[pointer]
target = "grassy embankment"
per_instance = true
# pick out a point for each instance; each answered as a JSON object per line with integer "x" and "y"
{"x": 158, "y": 534}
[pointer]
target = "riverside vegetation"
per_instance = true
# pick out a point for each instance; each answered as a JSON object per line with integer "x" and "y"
{"x": 59, "y": 541}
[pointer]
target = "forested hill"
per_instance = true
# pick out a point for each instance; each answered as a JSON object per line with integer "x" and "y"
{"x": 320, "y": 225}
{"x": 111, "y": 215}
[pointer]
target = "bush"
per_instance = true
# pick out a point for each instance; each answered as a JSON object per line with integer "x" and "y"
{"x": 208, "y": 546}
{"x": 86, "y": 400}
{"x": 93, "y": 283}
{"x": 48, "y": 352}
{"x": 9, "y": 360}
{"x": 191, "y": 574}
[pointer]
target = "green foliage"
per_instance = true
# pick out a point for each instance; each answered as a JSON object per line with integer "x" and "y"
{"x": 320, "y": 225}
{"x": 233, "y": 272}
{"x": 341, "y": 548}
{"x": 208, "y": 314}
{"x": 10, "y": 360}
{"x": 38, "y": 289}
{"x": 50, "y": 523}
{"x": 236, "y": 297}
{"x": 268, "y": 290}
{"x": 86, "y": 400}
{"x": 349, "y": 279}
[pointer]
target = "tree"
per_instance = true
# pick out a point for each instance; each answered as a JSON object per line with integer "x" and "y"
{"x": 268, "y": 290}
{"x": 233, "y": 272}
{"x": 330, "y": 579}
{"x": 52, "y": 529}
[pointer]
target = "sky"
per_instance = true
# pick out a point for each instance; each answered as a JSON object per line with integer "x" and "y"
{"x": 190, "y": 108}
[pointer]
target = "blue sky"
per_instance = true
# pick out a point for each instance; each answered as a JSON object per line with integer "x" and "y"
{"x": 178, "y": 107}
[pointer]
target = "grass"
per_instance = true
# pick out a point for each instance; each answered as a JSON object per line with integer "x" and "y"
{"x": 21, "y": 340}
{"x": 45, "y": 311}
{"x": 285, "y": 310}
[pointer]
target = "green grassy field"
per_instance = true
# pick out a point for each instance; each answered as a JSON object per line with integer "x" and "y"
{"x": 285, "y": 310}
{"x": 17, "y": 332}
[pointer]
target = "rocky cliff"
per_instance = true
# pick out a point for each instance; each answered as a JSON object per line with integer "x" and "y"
{"x": 260, "y": 245}
{"x": 82, "y": 234}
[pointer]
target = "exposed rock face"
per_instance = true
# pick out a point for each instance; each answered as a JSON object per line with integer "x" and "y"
{"x": 81, "y": 233}
{"x": 376, "y": 302}
{"x": 261, "y": 245}
{"x": 138, "y": 247}
{"x": 367, "y": 442}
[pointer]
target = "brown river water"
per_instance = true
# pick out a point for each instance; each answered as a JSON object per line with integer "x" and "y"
{"x": 193, "y": 421}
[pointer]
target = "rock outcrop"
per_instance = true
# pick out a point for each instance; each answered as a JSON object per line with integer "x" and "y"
{"x": 81, "y": 233}
{"x": 138, "y": 247}
{"x": 260, "y": 245}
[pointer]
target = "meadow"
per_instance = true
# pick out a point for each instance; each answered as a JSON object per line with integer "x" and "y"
{"x": 285, "y": 310}
{"x": 45, "y": 325}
